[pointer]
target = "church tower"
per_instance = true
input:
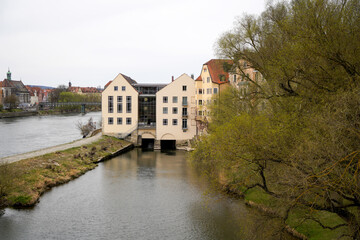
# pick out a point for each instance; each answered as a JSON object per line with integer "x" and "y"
{"x": 8, "y": 75}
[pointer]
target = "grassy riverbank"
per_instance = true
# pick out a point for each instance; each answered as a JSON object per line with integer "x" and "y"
{"x": 23, "y": 182}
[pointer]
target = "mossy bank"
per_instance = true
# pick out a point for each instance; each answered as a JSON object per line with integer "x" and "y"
{"x": 23, "y": 182}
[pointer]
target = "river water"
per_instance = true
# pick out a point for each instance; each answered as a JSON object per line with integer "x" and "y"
{"x": 25, "y": 134}
{"x": 138, "y": 195}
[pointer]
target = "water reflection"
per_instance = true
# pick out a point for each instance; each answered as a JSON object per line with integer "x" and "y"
{"x": 138, "y": 195}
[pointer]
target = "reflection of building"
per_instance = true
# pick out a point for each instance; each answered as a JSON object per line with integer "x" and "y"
{"x": 12, "y": 87}
{"x": 147, "y": 113}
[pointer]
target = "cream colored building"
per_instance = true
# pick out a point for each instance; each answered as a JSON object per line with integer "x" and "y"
{"x": 175, "y": 110}
{"x": 211, "y": 82}
{"x": 120, "y": 107}
{"x": 139, "y": 113}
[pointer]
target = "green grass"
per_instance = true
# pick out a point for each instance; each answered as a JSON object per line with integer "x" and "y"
{"x": 31, "y": 177}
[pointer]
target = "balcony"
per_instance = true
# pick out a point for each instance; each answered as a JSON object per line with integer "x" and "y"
{"x": 185, "y": 115}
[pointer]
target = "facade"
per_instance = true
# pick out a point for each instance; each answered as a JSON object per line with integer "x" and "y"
{"x": 240, "y": 79}
{"x": 246, "y": 78}
{"x": 140, "y": 113}
{"x": 12, "y": 87}
{"x": 212, "y": 80}
{"x": 175, "y": 118}
{"x": 120, "y": 107}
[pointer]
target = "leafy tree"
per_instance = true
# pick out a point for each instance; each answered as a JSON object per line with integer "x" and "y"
{"x": 303, "y": 149}
{"x": 55, "y": 93}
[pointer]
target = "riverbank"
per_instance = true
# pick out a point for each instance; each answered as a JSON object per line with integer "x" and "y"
{"x": 299, "y": 224}
{"x": 56, "y": 111}
{"x": 23, "y": 182}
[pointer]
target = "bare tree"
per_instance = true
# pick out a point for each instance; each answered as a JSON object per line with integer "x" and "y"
{"x": 86, "y": 128}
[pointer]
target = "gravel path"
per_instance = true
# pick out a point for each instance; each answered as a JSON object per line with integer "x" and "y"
{"x": 44, "y": 151}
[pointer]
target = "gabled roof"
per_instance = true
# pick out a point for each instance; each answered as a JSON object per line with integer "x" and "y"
{"x": 216, "y": 70}
{"x": 199, "y": 78}
{"x": 129, "y": 79}
{"x": 106, "y": 85}
{"x": 18, "y": 85}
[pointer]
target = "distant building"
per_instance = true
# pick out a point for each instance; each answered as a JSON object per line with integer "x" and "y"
{"x": 149, "y": 114}
{"x": 83, "y": 90}
{"x": 14, "y": 87}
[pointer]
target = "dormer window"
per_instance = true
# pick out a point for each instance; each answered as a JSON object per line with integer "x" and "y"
{"x": 222, "y": 78}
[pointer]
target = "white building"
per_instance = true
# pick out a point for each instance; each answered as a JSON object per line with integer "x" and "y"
{"x": 175, "y": 108}
{"x": 120, "y": 107}
{"x": 140, "y": 113}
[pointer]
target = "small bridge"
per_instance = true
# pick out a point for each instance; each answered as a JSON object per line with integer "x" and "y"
{"x": 51, "y": 105}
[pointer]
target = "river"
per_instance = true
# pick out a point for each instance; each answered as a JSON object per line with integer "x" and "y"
{"x": 25, "y": 134}
{"x": 138, "y": 195}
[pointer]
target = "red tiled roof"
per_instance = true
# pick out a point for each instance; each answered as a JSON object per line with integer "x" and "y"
{"x": 216, "y": 70}
{"x": 199, "y": 78}
{"x": 89, "y": 90}
{"x": 107, "y": 84}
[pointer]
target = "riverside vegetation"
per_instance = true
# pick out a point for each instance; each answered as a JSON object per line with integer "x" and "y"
{"x": 23, "y": 182}
{"x": 291, "y": 144}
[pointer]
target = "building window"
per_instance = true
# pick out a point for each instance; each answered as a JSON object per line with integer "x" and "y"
{"x": 128, "y": 121}
{"x": 184, "y": 112}
{"x": 110, "y": 104}
{"x": 165, "y": 122}
{"x": 200, "y": 91}
{"x": 119, "y": 121}
{"x": 165, "y": 99}
{"x": 200, "y": 113}
{"x": 208, "y": 102}
{"x": 123, "y": 88}
{"x": 184, "y": 100}
{"x": 174, "y": 110}
{"x": 175, "y": 99}
{"x": 184, "y": 123}
{"x": 110, "y": 120}
{"x": 200, "y": 102}
{"x": 205, "y": 70}
{"x": 208, "y": 79}
{"x": 184, "y": 88}
{"x": 115, "y": 88}
{"x": 175, "y": 121}
{"x": 234, "y": 78}
{"x": 128, "y": 104}
{"x": 165, "y": 110}
{"x": 119, "y": 104}
{"x": 215, "y": 90}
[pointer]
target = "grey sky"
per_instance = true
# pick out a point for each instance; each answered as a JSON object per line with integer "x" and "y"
{"x": 88, "y": 42}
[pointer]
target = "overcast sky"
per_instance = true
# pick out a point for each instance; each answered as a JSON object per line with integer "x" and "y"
{"x": 88, "y": 42}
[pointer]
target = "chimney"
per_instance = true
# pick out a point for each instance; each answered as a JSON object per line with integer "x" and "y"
{"x": 192, "y": 76}
{"x": 172, "y": 78}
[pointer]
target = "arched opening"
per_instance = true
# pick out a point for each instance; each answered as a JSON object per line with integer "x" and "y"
{"x": 147, "y": 141}
{"x": 168, "y": 142}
